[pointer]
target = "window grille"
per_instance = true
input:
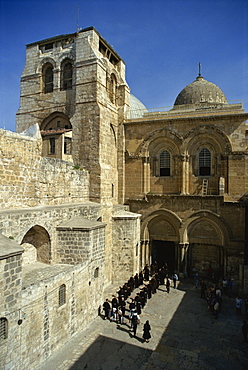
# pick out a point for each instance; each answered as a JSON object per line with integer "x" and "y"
{"x": 52, "y": 145}
{"x": 3, "y": 328}
{"x": 48, "y": 78}
{"x": 67, "y": 76}
{"x": 62, "y": 295}
{"x": 164, "y": 163}
{"x": 204, "y": 162}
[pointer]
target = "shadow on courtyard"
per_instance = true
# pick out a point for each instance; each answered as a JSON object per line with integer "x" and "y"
{"x": 193, "y": 339}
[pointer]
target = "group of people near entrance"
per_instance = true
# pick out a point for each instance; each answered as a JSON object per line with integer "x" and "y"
{"x": 213, "y": 295}
{"x": 149, "y": 278}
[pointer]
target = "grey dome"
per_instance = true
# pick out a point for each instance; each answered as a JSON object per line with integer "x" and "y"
{"x": 201, "y": 91}
{"x": 137, "y": 109}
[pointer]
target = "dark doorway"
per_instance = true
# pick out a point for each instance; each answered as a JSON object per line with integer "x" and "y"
{"x": 164, "y": 251}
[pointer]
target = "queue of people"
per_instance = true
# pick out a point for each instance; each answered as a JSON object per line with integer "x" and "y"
{"x": 148, "y": 280}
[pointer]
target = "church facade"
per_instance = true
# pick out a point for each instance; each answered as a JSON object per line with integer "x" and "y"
{"x": 94, "y": 186}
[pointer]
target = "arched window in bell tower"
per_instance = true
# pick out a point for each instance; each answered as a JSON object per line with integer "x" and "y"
{"x": 66, "y": 75}
{"x": 204, "y": 162}
{"x": 112, "y": 88}
{"x": 47, "y": 76}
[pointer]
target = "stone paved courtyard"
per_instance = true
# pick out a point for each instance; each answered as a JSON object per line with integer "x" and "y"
{"x": 184, "y": 336}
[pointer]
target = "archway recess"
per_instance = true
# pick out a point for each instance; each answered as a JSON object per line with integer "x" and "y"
{"x": 206, "y": 247}
{"x": 162, "y": 230}
{"x": 40, "y": 239}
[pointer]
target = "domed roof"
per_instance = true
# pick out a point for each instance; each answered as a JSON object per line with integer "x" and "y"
{"x": 200, "y": 91}
{"x": 137, "y": 109}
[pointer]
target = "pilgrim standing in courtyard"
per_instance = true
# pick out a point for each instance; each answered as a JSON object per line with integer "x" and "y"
{"x": 146, "y": 331}
{"x": 175, "y": 278}
{"x": 135, "y": 322}
{"x": 106, "y": 308}
{"x": 168, "y": 282}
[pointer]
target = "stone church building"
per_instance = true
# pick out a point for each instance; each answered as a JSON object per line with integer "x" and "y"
{"x": 94, "y": 185}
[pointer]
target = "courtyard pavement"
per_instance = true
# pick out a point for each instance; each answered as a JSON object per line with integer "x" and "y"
{"x": 185, "y": 335}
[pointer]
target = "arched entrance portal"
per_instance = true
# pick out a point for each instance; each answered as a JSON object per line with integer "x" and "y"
{"x": 39, "y": 238}
{"x": 164, "y": 241}
{"x": 205, "y": 253}
{"x": 164, "y": 252}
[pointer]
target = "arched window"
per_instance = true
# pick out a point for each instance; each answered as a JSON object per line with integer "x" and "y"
{"x": 112, "y": 89}
{"x": 3, "y": 328}
{"x": 164, "y": 163}
{"x": 204, "y": 162}
{"x": 62, "y": 295}
{"x": 67, "y": 71}
{"x": 47, "y": 75}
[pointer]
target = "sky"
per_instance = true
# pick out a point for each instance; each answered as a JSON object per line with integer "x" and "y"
{"x": 160, "y": 41}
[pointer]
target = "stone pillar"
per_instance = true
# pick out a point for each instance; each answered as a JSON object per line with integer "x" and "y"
{"x": 147, "y": 244}
{"x": 185, "y": 174}
{"x": 183, "y": 258}
{"x": 146, "y": 175}
{"x": 142, "y": 249}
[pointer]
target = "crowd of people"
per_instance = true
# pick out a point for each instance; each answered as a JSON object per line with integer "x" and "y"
{"x": 214, "y": 297}
{"x": 148, "y": 280}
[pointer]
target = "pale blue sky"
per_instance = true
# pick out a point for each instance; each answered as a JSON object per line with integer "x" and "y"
{"x": 161, "y": 42}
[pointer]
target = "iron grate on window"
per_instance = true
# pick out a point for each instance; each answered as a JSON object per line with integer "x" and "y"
{"x": 3, "y": 328}
{"x": 62, "y": 295}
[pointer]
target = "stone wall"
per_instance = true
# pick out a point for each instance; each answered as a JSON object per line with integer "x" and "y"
{"x": 29, "y": 180}
{"x": 45, "y": 325}
{"x": 10, "y": 301}
{"x": 126, "y": 240}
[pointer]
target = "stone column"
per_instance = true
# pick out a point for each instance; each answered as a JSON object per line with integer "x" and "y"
{"x": 147, "y": 246}
{"x": 185, "y": 174}
{"x": 183, "y": 257}
{"x": 142, "y": 250}
{"x": 146, "y": 175}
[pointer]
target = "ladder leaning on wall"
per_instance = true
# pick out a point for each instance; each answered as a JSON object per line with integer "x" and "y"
{"x": 204, "y": 187}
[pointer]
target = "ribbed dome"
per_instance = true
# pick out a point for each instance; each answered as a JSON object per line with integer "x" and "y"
{"x": 201, "y": 91}
{"x": 137, "y": 109}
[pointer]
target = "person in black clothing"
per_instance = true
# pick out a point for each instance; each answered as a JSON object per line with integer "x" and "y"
{"x": 135, "y": 321}
{"x": 106, "y": 308}
{"x": 123, "y": 306}
{"x": 146, "y": 273}
{"x": 114, "y": 303}
{"x": 146, "y": 332}
{"x": 149, "y": 291}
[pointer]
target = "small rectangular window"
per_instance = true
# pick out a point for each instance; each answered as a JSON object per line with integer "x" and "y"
{"x": 62, "y": 295}
{"x": 52, "y": 145}
{"x": 3, "y": 328}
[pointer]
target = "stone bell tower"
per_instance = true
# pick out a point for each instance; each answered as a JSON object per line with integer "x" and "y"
{"x": 76, "y": 83}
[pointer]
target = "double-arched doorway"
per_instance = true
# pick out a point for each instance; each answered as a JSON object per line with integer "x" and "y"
{"x": 197, "y": 243}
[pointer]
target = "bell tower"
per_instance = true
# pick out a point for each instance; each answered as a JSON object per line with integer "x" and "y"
{"x": 80, "y": 78}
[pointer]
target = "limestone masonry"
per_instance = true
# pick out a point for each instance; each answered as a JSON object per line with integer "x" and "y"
{"x": 94, "y": 186}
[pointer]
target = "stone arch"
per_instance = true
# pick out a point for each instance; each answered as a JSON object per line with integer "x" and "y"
{"x": 161, "y": 230}
{"x": 56, "y": 120}
{"x": 40, "y": 239}
{"x": 206, "y": 134}
{"x": 158, "y": 145}
{"x": 208, "y": 236}
{"x": 44, "y": 61}
{"x": 159, "y": 136}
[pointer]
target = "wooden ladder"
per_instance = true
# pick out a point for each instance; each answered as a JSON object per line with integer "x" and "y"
{"x": 204, "y": 187}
